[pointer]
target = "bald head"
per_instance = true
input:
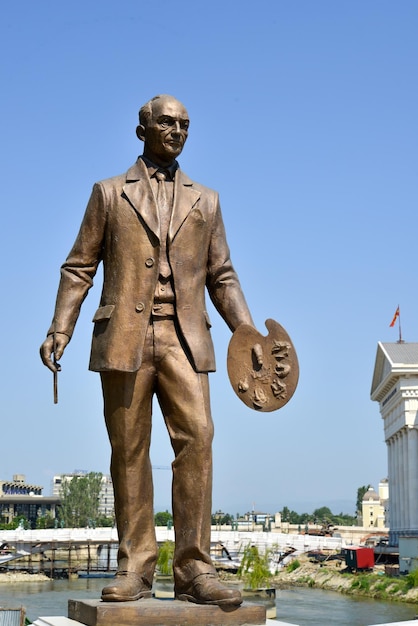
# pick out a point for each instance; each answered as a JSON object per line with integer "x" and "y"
{"x": 163, "y": 127}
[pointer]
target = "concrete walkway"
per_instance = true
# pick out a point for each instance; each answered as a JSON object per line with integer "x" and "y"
{"x": 65, "y": 621}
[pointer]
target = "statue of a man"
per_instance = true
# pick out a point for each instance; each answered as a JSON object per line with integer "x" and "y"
{"x": 161, "y": 239}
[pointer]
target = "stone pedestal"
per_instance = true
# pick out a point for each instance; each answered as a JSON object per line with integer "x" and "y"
{"x": 163, "y": 613}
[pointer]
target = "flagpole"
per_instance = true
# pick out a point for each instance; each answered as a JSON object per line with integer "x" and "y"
{"x": 400, "y": 330}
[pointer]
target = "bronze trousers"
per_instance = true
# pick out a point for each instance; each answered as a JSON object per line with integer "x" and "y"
{"x": 183, "y": 395}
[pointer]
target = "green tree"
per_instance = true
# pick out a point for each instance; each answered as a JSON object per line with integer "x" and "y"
{"x": 18, "y": 521}
{"x": 45, "y": 521}
{"x": 285, "y": 514}
{"x": 360, "y": 495}
{"x": 294, "y": 518}
{"x": 323, "y": 515}
{"x": 105, "y": 522}
{"x": 219, "y": 518}
{"x": 344, "y": 519}
{"x": 80, "y": 500}
{"x": 289, "y": 516}
{"x": 163, "y": 518}
{"x": 254, "y": 568}
{"x": 165, "y": 558}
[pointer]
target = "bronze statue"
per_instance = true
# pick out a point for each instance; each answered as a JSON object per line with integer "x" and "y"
{"x": 161, "y": 239}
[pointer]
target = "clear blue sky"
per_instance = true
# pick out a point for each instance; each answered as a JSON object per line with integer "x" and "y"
{"x": 304, "y": 118}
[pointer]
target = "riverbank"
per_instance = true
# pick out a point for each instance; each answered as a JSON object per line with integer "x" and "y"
{"x": 22, "y": 577}
{"x": 330, "y": 576}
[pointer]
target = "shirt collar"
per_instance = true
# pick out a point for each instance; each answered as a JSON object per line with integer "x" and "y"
{"x": 153, "y": 168}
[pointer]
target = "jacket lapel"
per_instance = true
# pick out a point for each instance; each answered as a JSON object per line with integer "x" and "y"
{"x": 185, "y": 197}
{"x": 139, "y": 193}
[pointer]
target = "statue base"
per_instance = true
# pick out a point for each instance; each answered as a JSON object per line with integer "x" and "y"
{"x": 151, "y": 612}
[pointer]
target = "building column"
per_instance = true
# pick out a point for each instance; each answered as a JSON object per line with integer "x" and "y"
{"x": 398, "y": 469}
{"x": 393, "y": 494}
{"x": 395, "y": 466}
{"x": 401, "y": 485}
{"x": 389, "y": 515}
{"x": 413, "y": 478}
{"x": 406, "y": 524}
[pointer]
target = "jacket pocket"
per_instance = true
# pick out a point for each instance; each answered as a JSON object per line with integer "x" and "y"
{"x": 103, "y": 313}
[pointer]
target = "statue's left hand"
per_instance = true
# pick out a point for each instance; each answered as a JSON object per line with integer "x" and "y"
{"x": 258, "y": 354}
{"x": 263, "y": 371}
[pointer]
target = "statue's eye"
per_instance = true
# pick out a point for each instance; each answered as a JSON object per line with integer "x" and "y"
{"x": 165, "y": 122}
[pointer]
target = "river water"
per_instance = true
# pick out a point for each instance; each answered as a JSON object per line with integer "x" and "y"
{"x": 305, "y": 607}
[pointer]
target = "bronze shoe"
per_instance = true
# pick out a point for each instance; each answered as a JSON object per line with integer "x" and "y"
{"x": 206, "y": 589}
{"x": 126, "y": 586}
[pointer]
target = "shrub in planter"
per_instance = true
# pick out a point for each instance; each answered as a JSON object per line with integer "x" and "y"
{"x": 254, "y": 568}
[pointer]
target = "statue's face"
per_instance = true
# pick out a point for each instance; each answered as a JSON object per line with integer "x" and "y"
{"x": 167, "y": 131}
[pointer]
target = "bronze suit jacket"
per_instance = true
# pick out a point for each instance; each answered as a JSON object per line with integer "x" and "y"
{"x": 121, "y": 228}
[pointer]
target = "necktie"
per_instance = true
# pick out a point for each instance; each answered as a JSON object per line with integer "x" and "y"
{"x": 164, "y": 214}
{"x": 162, "y": 202}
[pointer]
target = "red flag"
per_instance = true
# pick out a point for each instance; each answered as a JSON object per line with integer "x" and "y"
{"x": 394, "y": 318}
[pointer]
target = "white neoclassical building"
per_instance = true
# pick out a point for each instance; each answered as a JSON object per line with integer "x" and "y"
{"x": 395, "y": 387}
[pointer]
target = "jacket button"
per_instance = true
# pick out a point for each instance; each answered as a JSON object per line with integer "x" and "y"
{"x": 139, "y": 307}
{"x": 149, "y": 262}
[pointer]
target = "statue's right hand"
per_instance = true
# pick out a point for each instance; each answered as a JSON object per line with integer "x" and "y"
{"x": 47, "y": 349}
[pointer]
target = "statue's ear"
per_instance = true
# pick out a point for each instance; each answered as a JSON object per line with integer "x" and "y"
{"x": 140, "y": 132}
